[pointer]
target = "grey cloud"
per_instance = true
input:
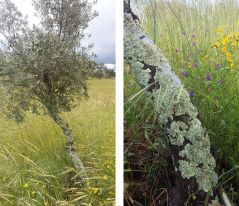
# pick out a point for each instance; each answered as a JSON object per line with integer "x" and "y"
{"x": 102, "y": 30}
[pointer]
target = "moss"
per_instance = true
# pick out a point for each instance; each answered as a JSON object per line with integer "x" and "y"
{"x": 171, "y": 100}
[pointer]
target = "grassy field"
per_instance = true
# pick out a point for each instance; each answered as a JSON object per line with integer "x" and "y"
{"x": 34, "y": 167}
{"x": 201, "y": 41}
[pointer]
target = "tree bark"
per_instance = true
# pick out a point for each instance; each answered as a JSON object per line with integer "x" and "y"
{"x": 69, "y": 144}
{"x": 189, "y": 141}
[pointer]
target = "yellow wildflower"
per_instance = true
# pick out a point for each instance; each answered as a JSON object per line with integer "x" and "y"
{"x": 228, "y": 56}
{"x": 224, "y": 49}
{"x": 105, "y": 177}
{"x": 217, "y": 44}
{"x": 234, "y": 43}
{"x": 219, "y": 29}
{"x": 25, "y": 186}
{"x": 237, "y": 36}
{"x": 194, "y": 197}
{"x": 95, "y": 190}
{"x": 226, "y": 40}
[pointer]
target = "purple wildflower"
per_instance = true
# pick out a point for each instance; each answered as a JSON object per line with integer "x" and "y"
{"x": 184, "y": 73}
{"x": 194, "y": 36}
{"x": 208, "y": 78}
{"x": 191, "y": 93}
{"x": 193, "y": 43}
{"x": 217, "y": 66}
{"x": 195, "y": 65}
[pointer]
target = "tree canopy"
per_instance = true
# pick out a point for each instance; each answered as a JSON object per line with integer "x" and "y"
{"x": 46, "y": 65}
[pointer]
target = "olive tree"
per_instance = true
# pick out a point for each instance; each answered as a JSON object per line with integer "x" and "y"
{"x": 45, "y": 67}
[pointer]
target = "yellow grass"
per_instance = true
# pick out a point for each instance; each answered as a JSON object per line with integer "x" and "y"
{"x": 34, "y": 167}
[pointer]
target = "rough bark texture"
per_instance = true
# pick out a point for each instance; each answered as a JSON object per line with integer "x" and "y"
{"x": 190, "y": 144}
{"x": 69, "y": 144}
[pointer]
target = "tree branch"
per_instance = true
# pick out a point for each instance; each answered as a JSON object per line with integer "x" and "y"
{"x": 190, "y": 144}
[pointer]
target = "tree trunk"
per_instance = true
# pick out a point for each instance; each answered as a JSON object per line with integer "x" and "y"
{"x": 189, "y": 141}
{"x": 69, "y": 143}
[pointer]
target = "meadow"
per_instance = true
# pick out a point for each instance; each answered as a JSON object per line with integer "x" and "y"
{"x": 201, "y": 41}
{"x": 35, "y": 169}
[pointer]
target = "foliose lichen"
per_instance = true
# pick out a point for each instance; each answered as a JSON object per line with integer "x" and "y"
{"x": 172, "y": 104}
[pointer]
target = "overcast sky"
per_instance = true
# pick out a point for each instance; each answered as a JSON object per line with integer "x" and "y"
{"x": 102, "y": 28}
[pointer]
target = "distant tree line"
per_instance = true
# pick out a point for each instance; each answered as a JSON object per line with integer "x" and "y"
{"x": 101, "y": 71}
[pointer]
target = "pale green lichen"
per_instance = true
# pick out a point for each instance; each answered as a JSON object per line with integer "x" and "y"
{"x": 143, "y": 74}
{"x": 196, "y": 131}
{"x": 176, "y": 97}
{"x": 215, "y": 202}
{"x": 187, "y": 169}
{"x": 171, "y": 100}
{"x": 205, "y": 180}
{"x": 177, "y": 133}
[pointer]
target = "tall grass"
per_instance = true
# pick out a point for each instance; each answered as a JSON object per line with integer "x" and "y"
{"x": 34, "y": 166}
{"x": 145, "y": 147}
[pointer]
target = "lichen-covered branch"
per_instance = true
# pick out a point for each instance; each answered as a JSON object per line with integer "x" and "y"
{"x": 69, "y": 144}
{"x": 175, "y": 112}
